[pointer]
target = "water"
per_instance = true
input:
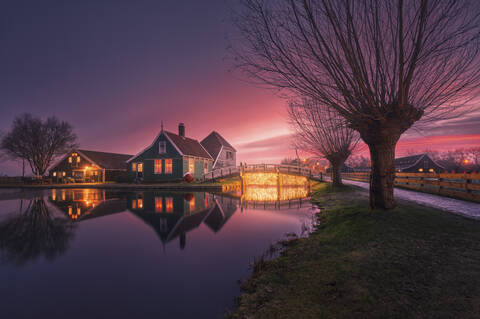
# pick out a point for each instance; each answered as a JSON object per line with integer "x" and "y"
{"x": 105, "y": 254}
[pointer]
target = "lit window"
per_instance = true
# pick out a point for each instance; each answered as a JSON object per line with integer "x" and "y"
{"x": 140, "y": 167}
{"x": 191, "y": 165}
{"x": 64, "y": 173}
{"x": 169, "y": 204}
{"x": 420, "y": 169}
{"x": 134, "y": 167}
{"x": 79, "y": 210}
{"x": 158, "y": 166}
{"x": 205, "y": 167}
{"x": 168, "y": 166}
{"x": 192, "y": 204}
{"x": 140, "y": 202}
{"x": 54, "y": 174}
{"x": 134, "y": 204}
{"x": 69, "y": 210}
{"x": 162, "y": 147}
{"x": 158, "y": 204}
{"x": 70, "y": 159}
{"x": 431, "y": 170}
{"x": 78, "y": 159}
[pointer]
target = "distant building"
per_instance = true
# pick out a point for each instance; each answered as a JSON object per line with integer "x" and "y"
{"x": 421, "y": 163}
{"x": 344, "y": 169}
{"x": 223, "y": 154}
{"x": 89, "y": 166}
{"x": 169, "y": 157}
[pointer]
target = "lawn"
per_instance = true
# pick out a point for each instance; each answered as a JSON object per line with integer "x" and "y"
{"x": 410, "y": 262}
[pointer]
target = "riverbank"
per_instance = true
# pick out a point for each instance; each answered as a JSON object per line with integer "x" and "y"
{"x": 410, "y": 262}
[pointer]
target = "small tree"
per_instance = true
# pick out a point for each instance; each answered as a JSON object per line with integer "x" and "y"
{"x": 322, "y": 131}
{"x": 37, "y": 142}
{"x": 382, "y": 65}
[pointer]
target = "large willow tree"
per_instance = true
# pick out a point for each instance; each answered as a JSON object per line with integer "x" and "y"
{"x": 381, "y": 64}
{"x": 320, "y": 130}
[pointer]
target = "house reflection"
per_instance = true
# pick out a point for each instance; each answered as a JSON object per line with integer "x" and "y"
{"x": 173, "y": 215}
{"x": 81, "y": 204}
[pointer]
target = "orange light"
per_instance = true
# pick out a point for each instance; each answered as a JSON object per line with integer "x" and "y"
{"x": 420, "y": 169}
{"x": 465, "y": 161}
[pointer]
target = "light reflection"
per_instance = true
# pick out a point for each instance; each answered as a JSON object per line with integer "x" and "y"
{"x": 270, "y": 194}
{"x": 273, "y": 179}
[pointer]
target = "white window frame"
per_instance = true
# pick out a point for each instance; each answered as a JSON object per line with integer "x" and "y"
{"x": 162, "y": 147}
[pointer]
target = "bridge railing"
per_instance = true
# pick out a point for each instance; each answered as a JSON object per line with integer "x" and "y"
{"x": 251, "y": 168}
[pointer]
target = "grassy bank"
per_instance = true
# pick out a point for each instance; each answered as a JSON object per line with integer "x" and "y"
{"x": 411, "y": 262}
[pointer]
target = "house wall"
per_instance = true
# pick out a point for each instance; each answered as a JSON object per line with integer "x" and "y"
{"x": 198, "y": 166}
{"x": 222, "y": 160}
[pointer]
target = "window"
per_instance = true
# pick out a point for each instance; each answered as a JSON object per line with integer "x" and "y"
{"x": 205, "y": 167}
{"x": 134, "y": 167}
{"x": 229, "y": 155}
{"x": 169, "y": 205}
{"x": 140, "y": 167}
{"x": 158, "y": 166}
{"x": 63, "y": 174}
{"x": 78, "y": 159}
{"x": 192, "y": 204}
{"x": 70, "y": 159}
{"x": 54, "y": 174}
{"x": 191, "y": 165}
{"x": 134, "y": 204}
{"x": 168, "y": 166}
{"x": 140, "y": 203}
{"x": 158, "y": 204}
{"x": 162, "y": 147}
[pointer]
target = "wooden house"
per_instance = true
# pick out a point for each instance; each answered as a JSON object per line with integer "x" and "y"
{"x": 169, "y": 157}
{"x": 89, "y": 166}
{"x": 421, "y": 163}
{"x": 223, "y": 154}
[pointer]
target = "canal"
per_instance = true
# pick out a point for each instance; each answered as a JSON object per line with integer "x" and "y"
{"x": 87, "y": 253}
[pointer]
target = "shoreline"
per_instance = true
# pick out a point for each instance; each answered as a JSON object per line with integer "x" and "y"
{"x": 169, "y": 186}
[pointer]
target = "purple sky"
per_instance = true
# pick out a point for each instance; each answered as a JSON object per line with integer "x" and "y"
{"x": 116, "y": 69}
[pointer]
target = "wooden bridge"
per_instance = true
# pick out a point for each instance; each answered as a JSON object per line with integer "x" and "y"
{"x": 233, "y": 171}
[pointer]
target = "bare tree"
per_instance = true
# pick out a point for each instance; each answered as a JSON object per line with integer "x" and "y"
{"x": 382, "y": 65}
{"x": 322, "y": 131}
{"x": 33, "y": 233}
{"x": 37, "y": 142}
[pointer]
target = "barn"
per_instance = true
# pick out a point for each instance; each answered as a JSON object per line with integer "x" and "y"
{"x": 421, "y": 163}
{"x": 86, "y": 166}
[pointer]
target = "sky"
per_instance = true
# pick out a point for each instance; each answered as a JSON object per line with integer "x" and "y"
{"x": 116, "y": 69}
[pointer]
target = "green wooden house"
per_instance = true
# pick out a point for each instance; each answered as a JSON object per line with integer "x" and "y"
{"x": 169, "y": 158}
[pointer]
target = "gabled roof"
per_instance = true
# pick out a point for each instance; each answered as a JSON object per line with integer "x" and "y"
{"x": 184, "y": 145}
{"x": 408, "y": 161}
{"x": 106, "y": 160}
{"x": 188, "y": 146}
{"x": 213, "y": 144}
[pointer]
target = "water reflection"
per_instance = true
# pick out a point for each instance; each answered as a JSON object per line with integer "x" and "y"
{"x": 34, "y": 232}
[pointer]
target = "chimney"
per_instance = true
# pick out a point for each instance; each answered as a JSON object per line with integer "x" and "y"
{"x": 181, "y": 129}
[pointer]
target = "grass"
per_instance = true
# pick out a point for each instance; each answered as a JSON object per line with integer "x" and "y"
{"x": 410, "y": 262}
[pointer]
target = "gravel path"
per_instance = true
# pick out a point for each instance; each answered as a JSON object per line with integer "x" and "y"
{"x": 456, "y": 206}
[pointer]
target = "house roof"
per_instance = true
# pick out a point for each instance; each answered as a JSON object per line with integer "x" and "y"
{"x": 213, "y": 144}
{"x": 408, "y": 161}
{"x": 188, "y": 146}
{"x": 106, "y": 160}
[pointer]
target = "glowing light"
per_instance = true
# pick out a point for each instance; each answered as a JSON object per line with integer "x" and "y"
{"x": 169, "y": 204}
{"x": 270, "y": 194}
{"x": 431, "y": 170}
{"x": 466, "y": 161}
{"x": 420, "y": 169}
{"x": 273, "y": 179}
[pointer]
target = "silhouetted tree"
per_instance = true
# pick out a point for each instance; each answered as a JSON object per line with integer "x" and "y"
{"x": 33, "y": 233}
{"x": 320, "y": 130}
{"x": 37, "y": 142}
{"x": 382, "y": 65}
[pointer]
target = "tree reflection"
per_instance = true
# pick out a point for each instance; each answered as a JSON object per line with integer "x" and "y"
{"x": 33, "y": 233}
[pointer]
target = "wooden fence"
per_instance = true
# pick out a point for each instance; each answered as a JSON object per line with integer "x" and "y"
{"x": 458, "y": 185}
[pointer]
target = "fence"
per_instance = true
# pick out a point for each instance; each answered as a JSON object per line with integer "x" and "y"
{"x": 458, "y": 185}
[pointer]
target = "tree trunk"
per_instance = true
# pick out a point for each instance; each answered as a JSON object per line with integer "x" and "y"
{"x": 336, "y": 174}
{"x": 382, "y": 175}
